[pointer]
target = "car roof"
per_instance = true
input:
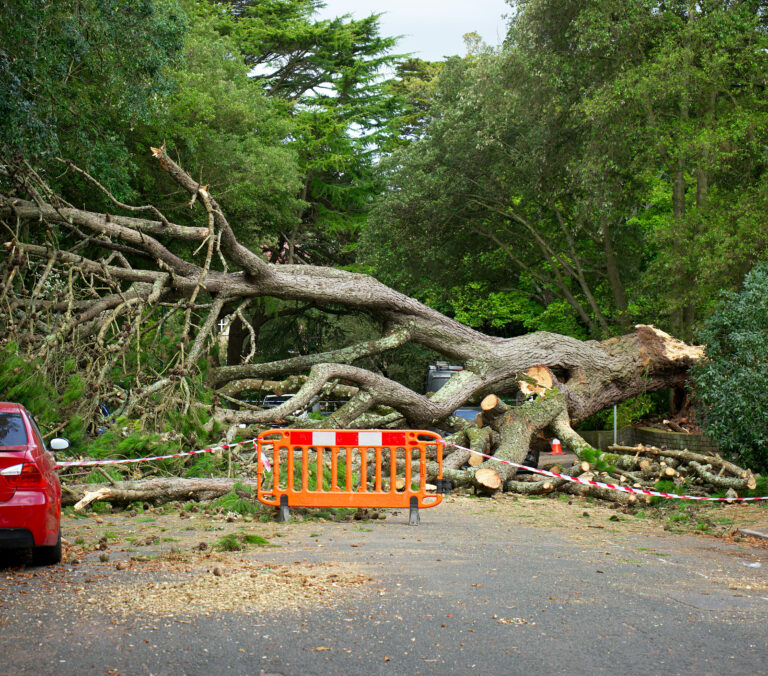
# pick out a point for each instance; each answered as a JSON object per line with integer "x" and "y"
{"x": 10, "y": 407}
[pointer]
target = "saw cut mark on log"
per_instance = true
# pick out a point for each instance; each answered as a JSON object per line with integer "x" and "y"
{"x": 487, "y": 479}
{"x": 535, "y": 380}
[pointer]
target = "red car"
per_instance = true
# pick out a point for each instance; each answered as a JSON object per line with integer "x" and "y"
{"x": 30, "y": 492}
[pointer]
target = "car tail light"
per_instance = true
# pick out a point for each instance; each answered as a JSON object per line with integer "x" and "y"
{"x": 24, "y": 476}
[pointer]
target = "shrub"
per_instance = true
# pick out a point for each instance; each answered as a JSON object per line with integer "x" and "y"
{"x": 729, "y": 387}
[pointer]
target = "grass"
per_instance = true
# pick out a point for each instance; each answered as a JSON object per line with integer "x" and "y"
{"x": 253, "y": 539}
{"x": 235, "y": 543}
{"x": 679, "y": 517}
{"x": 228, "y": 543}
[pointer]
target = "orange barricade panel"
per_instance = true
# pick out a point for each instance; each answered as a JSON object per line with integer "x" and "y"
{"x": 347, "y": 468}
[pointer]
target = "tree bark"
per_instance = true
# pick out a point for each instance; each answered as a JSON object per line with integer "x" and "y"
{"x": 590, "y": 375}
{"x": 154, "y": 491}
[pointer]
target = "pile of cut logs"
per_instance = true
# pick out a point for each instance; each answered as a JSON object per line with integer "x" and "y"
{"x": 643, "y": 467}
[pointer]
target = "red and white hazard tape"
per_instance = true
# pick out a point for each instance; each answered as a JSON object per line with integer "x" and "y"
{"x": 622, "y": 489}
{"x": 125, "y": 461}
{"x": 351, "y": 438}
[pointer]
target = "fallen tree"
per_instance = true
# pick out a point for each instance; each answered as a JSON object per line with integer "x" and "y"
{"x": 124, "y": 280}
{"x": 638, "y": 467}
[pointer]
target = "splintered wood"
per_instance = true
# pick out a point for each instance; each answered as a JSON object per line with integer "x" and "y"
{"x": 243, "y": 587}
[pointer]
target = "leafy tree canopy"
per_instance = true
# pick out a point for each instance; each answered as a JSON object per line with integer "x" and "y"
{"x": 730, "y": 385}
{"x": 609, "y": 159}
{"x": 75, "y": 77}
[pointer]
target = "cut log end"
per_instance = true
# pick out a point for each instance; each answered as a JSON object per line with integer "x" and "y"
{"x": 487, "y": 479}
{"x": 535, "y": 380}
{"x": 475, "y": 460}
{"x": 492, "y": 405}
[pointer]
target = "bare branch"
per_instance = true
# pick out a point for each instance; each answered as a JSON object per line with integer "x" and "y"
{"x": 346, "y": 355}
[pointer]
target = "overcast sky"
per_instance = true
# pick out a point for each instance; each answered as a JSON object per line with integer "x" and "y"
{"x": 431, "y": 29}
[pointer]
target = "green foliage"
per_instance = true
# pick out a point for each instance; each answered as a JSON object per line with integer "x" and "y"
{"x": 73, "y": 83}
{"x": 229, "y": 543}
{"x": 415, "y": 87}
{"x": 253, "y": 539}
{"x": 100, "y": 507}
{"x": 75, "y": 430}
{"x": 206, "y": 465}
{"x": 627, "y": 412}
{"x": 218, "y": 119}
{"x": 596, "y": 459}
{"x": 327, "y": 74}
{"x": 239, "y": 500}
{"x": 233, "y": 542}
{"x": 75, "y": 390}
{"x": 663, "y": 487}
{"x": 760, "y": 489}
{"x": 96, "y": 476}
{"x": 21, "y": 381}
{"x": 478, "y": 305}
{"x": 128, "y": 443}
{"x": 608, "y": 164}
{"x": 729, "y": 387}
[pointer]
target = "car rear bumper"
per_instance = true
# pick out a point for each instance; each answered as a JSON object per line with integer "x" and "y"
{"x": 30, "y": 512}
{"x": 16, "y": 538}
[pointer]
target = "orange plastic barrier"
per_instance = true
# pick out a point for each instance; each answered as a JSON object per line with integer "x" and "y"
{"x": 324, "y": 477}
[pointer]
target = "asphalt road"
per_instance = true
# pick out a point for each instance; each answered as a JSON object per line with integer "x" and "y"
{"x": 469, "y": 591}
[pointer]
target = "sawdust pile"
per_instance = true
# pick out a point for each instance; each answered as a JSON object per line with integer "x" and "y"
{"x": 241, "y": 589}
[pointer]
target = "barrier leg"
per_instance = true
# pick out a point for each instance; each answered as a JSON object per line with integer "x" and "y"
{"x": 413, "y": 517}
{"x": 283, "y": 514}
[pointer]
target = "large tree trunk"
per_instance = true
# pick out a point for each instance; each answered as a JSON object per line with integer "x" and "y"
{"x": 588, "y": 375}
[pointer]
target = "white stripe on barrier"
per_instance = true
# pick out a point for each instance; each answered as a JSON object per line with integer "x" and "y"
{"x": 324, "y": 438}
{"x": 369, "y": 438}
